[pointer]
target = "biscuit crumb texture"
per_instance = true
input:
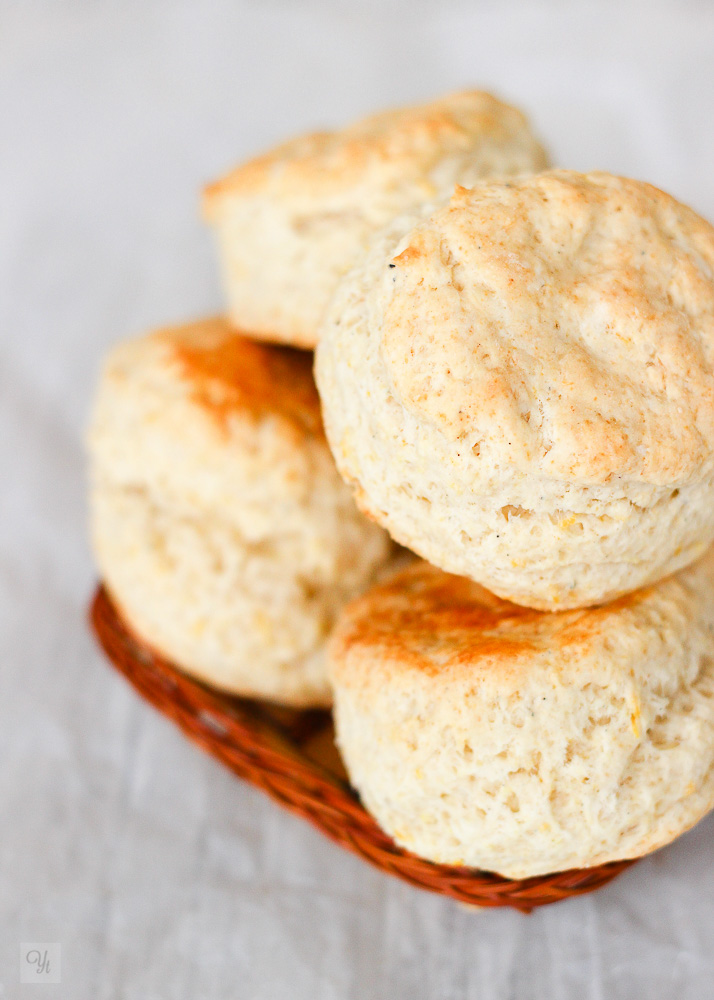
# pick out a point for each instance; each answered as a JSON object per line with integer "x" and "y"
{"x": 220, "y": 525}
{"x": 291, "y": 222}
{"x": 485, "y": 734}
{"x": 520, "y": 387}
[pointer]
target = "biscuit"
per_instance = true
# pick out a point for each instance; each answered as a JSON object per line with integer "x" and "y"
{"x": 485, "y": 734}
{"x": 520, "y": 387}
{"x": 291, "y": 222}
{"x": 220, "y": 525}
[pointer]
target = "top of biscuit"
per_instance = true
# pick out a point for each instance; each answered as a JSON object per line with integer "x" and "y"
{"x": 396, "y": 146}
{"x": 423, "y": 621}
{"x": 563, "y": 321}
{"x": 228, "y": 375}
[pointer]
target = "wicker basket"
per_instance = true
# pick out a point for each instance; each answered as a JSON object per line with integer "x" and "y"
{"x": 291, "y": 756}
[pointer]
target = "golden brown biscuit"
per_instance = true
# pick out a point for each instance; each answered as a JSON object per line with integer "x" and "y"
{"x": 482, "y": 733}
{"x": 521, "y": 387}
{"x": 219, "y": 522}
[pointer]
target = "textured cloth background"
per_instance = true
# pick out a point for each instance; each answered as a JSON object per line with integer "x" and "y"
{"x": 159, "y": 875}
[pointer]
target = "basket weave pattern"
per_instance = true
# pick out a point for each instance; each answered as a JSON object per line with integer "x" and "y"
{"x": 290, "y": 756}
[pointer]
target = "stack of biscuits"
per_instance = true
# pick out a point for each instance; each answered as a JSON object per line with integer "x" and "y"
{"x": 514, "y": 380}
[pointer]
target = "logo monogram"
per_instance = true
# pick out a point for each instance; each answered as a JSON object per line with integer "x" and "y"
{"x": 40, "y": 963}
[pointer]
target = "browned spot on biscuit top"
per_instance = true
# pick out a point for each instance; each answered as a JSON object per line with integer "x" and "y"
{"x": 430, "y": 620}
{"x": 230, "y": 374}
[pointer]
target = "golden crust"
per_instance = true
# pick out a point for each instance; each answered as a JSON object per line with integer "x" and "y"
{"x": 392, "y": 142}
{"x": 231, "y": 375}
{"x": 569, "y": 318}
{"x": 432, "y": 622}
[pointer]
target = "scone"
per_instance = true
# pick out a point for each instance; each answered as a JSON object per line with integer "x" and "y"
{"x": 520, "y": 387}
{"x": 291, "y": 222}
{"x": 220, "y": 525}
{"x": 485, "y": 734}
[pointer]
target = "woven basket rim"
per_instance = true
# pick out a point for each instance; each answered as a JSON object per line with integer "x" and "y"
{"x": 244, "y": 735}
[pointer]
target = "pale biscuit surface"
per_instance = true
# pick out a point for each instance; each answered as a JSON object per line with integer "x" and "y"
{"x": 219, "y": 522}
{"x": 482, "y": 733}
{"x": 292, "y": 222}
{"x": 521, "y": 386}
